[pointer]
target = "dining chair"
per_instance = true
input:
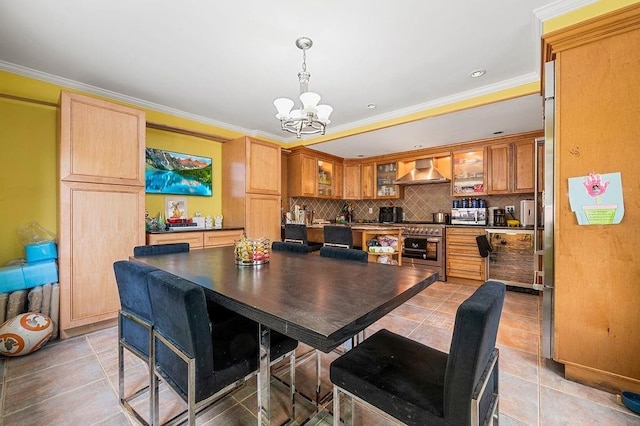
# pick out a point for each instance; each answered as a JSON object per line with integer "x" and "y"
{"x": 154, "y": 249}
{"x": 292, "y": 247}
{"x": 338, "y": 236}
{"x": 135, "y": 327}
{"x": 203, "y": 351}
{"x": 297, "y": 233}
{"x": 345, "y": 254}
{"x": 420, "y": 385}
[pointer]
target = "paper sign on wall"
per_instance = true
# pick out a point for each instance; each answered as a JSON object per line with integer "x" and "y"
{"x": 597, "y": 199}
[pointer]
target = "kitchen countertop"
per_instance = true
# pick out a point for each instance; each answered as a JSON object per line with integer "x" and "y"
{"x": 194, "y": 229}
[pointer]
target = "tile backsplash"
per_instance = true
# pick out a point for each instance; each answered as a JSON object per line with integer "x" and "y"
{"x": 418, "y": 204}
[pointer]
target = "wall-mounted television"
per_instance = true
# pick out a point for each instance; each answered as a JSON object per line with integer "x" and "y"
{"x": 168, "y": 172}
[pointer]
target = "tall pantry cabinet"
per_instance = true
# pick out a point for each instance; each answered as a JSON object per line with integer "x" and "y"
{"x": 597, "y": 291}
{"x": 101, "y": 205}
{"x": 251, "y": 187}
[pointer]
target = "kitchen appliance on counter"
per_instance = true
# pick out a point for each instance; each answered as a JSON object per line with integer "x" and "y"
{"x": 423, "y": 247}
{"x": 469, "y": 216}
{"x": 527, "y": 213}
{"x": 390, "y": 215}
{"x": 498, "y": 218}
{"x": 512, "y": 259}
{"x": 441, "y": 217}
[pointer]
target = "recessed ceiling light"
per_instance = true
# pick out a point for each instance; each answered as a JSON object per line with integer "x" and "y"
{"x": 417, "y": 146}
{"x": 477, "y": 73}
{"x": 371, "y": 106}
{"x": 499, "y": 132}
{"x": 360, "y": 155}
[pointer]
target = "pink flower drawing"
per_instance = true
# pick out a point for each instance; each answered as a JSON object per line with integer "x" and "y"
{"x": 594, "y": 186}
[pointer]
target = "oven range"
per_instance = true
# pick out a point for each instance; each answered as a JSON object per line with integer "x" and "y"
{"x": 423, "y": 246}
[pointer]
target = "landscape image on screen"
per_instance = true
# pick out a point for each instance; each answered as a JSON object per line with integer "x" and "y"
{"x": 169, "y": 172}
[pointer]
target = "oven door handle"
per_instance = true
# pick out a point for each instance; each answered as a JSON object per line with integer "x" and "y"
{"x": 434, "y": 240}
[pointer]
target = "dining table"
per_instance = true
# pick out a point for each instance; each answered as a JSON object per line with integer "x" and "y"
{"x": 319, "y": 301}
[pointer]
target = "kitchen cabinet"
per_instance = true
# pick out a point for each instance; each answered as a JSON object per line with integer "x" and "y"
{"x": 251, "y": 172}
{"x": 468, "y": 177}
{"x": 368, "y": 191}
{"x": 312, "y": 174}
{"x": 596, "y": 267}
{"x": 396, "y": 255}
{"x": 197, "y": 239}
{"x": 352, "y": 181}
{"x": 510, "y": 167}
{"x": 386, "y": 174}
{"x": 101, "y": 206}
{"x": 463, "y": 259}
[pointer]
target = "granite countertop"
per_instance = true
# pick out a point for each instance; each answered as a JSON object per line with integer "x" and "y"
{"x": 360, "y": 226}
{"x": 196, "y": 229}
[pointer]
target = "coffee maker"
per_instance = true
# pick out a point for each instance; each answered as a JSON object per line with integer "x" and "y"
{"x": 498, "y": 218}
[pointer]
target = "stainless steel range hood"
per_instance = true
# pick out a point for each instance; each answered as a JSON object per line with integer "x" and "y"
{"x": 425, "y": 172}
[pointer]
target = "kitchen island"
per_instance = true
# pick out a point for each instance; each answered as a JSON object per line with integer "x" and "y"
{"x": 363, "y": 232}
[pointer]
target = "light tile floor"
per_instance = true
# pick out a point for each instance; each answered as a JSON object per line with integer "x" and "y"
{"x": 74, "y": 382}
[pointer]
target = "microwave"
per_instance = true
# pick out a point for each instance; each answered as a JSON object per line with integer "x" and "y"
{"x": 390, "y": 214}
{"x": 469, "y": 216}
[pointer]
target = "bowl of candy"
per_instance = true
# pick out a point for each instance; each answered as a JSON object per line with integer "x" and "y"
{"x": 251, "y": 252}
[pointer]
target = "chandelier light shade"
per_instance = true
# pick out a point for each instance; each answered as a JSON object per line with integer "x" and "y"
{"x": 310, "y": 118}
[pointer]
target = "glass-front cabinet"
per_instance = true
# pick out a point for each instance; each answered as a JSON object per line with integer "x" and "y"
{"x": 325, "y": 178}
{"x": 468, "y": 173}
{"x": 386, "y": 174}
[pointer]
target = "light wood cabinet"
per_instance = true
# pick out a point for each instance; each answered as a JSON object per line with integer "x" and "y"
{"x": 367, "y": 181}
{"x": 197, "y": 239}
{"x": 469, "y": 171}
{"x": 352, "y": 181}
{"x": 373, "y": 257}
{"x": 511, "y": 167}
{"x": 251, "y": 174}
{"x": 313, "y": 174}
{"x": 386, "y": 174}
{"x": 463, "y": 259}
{"x": 498, "y": 168}
{"x": 101, "y": 206}
{"x": 596, "y": 267}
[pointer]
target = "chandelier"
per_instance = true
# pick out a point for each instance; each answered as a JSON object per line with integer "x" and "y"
{"x": 311, "y": 118}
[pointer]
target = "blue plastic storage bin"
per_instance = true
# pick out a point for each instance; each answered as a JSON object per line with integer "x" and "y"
{"x": 41, "y": 251}
{"x": 40, "y": 273}
{"x": 11, "y": 279}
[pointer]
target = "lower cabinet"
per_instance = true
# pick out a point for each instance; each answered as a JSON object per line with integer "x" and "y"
{"x": 463, "y": 259}
{"x": 395, "y": 256}
{"x": 197, "y": 239}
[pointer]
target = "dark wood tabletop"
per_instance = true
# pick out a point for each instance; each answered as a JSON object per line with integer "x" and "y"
{"x": 318, "y": 301}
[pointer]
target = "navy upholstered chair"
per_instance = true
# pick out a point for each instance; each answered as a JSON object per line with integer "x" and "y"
{"x": 297, "y": 233}
{"x": 292, "y": 247}
{"x": 202, "y": 351}
{"x": 420, "y": 385}
{"x": 135, "y": 326}
{"x": 338, "y": 236}
{"x": 160, "y": 249}
{"x": 345, "y": 254}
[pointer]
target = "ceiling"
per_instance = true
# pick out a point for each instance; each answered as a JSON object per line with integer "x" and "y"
{"x": 223, "y": 63}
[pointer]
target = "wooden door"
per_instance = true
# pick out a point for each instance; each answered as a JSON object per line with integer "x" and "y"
{"x": 596, "y": 266}
{"x": 498, "y": 168}
{"x": 91, "y": 239}
{"x": 100, "y": 141}
{"x": 263, "y": 216}
{"x": 367, "y": 181}
{"x": 352, "y": 182}
{"x": 524, "y": 166}
{"x": 263, "y": 167}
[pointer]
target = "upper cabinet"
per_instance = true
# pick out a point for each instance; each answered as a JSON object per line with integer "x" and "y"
{"x": 352, "y": 188}
{"x": 251, "y": 188}
{"x": 511, "y": 167}
{"x": 468, "y": 173}
{"x": 386, "y": 174}
{"x": 368, "y": 191}
{"x": 312, "y": 174}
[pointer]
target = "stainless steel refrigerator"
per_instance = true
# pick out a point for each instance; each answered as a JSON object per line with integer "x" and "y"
{"x": 545, "y": 200}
